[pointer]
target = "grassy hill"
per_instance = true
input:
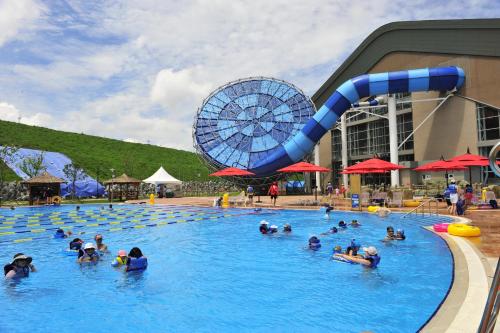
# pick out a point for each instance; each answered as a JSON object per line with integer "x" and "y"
{"x": 98, "y": 155}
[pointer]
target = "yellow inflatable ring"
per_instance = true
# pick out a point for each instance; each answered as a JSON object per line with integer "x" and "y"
{"x": 412, "y": 203}
{"x": 56, "y": 200}
{"x": 463, "y": 230}
{"x": 373, "y": 209}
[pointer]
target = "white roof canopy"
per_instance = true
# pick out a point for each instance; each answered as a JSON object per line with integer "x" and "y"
{"x": 162, "y": 177}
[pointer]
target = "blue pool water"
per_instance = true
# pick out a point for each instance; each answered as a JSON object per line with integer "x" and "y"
{"x": 212, "y": 271}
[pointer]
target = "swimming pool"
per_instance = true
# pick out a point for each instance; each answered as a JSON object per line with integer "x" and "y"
{"x": 211, "y": 270}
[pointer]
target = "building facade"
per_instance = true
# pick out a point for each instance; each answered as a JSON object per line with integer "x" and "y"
{"x": 467, "y": 120}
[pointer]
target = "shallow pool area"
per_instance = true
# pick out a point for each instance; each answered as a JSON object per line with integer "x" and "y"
{"x": 211, "y": 270}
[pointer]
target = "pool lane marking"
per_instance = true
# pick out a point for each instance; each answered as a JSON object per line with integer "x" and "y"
{"x": 159, "y": 224}
{"x": 101, "y": 224}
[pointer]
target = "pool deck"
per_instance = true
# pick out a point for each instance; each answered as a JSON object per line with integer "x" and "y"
{"x": 475, "y": 260}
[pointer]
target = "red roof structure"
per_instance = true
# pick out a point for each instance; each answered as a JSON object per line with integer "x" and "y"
{"x": 304, "y": 167}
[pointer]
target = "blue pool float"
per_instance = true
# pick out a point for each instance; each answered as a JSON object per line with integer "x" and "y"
{"x": 342, "y": 259}
{"x": 137, "y": 264}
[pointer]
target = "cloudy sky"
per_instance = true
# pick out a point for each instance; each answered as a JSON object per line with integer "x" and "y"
{"x": 138, "y": 70}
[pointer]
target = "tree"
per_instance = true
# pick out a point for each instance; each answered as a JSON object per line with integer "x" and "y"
{"x": 6, "y": 154}
{"x": 32, "y": 165}
{"x": 73, "y": 173}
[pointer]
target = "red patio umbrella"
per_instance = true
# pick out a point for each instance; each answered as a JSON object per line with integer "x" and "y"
{"x": 304, "y": 167}
{"x": 374, "y": 164}
{"x": 362, "y": 171}
{"x": 441, "y": 165}
{"x": 471, "y": 160}
{"x": 232, "y": 172}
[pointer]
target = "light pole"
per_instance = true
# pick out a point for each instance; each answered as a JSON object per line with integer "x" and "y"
{"x": 112, "y": 183}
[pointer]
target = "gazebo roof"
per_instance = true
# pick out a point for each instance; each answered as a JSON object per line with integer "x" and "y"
{"x": 44, "y": 178}
{"x": 123, "y": 179}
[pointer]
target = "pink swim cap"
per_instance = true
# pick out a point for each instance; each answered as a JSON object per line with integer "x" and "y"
{"x": 122, "y": 253}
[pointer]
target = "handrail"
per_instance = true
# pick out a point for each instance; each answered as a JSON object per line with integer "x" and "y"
{"x": 492, "y": 306}
{"x": 422, "y": 205}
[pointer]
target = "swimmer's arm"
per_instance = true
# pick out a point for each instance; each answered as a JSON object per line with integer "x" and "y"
{"x": 356, "y": 259}
{"x": 32, "y": 267}
{"x": 11, "y": 274}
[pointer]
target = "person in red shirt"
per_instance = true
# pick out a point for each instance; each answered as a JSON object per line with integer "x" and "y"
{"x": 273, "y": 192}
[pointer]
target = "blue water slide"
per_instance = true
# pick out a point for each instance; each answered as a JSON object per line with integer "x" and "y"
{"x": 351, "y": 91}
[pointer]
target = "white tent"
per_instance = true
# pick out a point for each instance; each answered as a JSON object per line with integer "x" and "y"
{"x": 161, "y": 177}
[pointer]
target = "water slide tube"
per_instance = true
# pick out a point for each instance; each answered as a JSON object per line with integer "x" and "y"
{"x": 350, "y": 92}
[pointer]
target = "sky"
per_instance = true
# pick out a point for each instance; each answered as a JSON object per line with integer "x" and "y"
{"x": 139, "y": 70}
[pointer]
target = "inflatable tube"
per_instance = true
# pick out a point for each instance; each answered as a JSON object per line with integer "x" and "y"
{"x": 351, "y": 91}
{"x": 441, "y": 227}
{"x": 137, "y": 264}
{"x": 463, "y": 230}
{"x": 373, "y": 209}
{"x": 342, "y": 259}
{"x": 71, "y": 253}
{"x": 411, "y": 203}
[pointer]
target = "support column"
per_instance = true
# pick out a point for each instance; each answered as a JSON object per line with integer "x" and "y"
{"x": 316, "y": 161}
{"x": 393, "y": 138}
{"x": 343, "y": 135}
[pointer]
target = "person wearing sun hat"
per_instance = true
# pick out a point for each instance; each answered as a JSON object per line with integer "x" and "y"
{"x": 121, "y": 259}
{"x": 264, "y": 227}
{"x": 370, "y": 259}
{"x": 20, "y": 267}
{"x": 88, "y": 254}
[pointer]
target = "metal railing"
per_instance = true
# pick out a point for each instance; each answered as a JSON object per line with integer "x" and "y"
{"x": 492, "y": 307}
{"x": 429, "y": 206}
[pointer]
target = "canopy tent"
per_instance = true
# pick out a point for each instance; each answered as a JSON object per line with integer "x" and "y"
{"x": 162, "y": 177}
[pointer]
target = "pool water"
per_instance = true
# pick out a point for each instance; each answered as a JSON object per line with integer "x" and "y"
{"x": 211, "y": 270}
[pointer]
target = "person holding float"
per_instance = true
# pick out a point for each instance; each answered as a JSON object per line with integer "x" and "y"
{"x": 136, "y": 261}
{"x": 20, "y": 267}
{"x": 370, "y": 259}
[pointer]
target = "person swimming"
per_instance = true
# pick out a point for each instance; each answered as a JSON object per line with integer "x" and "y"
{"x": 76, "y": 244}
{"x": 355, "y": 223}
{"x": 333, "y": 230}
{"x": 264, "y": 227}
{"x": 88, "y": 254}
{"x": 337, "y": 249}
{"x": 342, "y": 224}
{"x": 353, "y": 248}
{"x": 328, "y": 210}
{"x": 136, "y": 260}
{"x": 100, "y": 245}
{"x": 273, "y": 229}
{"x": 314, "y": 243}
{"x": 20, "y": 267}
{"x": 287, "y": 228}
{"x": 60, "y": 233}
{"x": 77, "y": 208}
{"x": 370, "y": 259}
{"x": 400, "y": 235}
{"x": 390, "y": 234}
{"x": 121, "y": 259}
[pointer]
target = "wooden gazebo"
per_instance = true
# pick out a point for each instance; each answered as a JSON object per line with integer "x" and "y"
{"x": 131, "y": 185}
{"x": 43, "y": 188}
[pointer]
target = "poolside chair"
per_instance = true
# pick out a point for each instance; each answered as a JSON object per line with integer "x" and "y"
{"x": 397, "y": 199}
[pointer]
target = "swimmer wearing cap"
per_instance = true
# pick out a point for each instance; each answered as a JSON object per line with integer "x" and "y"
{"x": 121, "y": 259}
{"x": 370, "y": 259}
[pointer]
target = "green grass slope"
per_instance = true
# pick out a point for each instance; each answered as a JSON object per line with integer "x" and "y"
{"x": 98, "y": 155}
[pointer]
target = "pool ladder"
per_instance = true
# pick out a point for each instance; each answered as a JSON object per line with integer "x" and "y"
{"x": 428, "y": 207}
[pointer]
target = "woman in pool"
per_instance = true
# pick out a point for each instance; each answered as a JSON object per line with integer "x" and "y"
{"x": 60, "y": 234}
{"x": 353, "y": 248}
{"x": 342, "y": 225}
{"x": 314, "y": 243}
{"x": 287, "y": 228}
{"x": 136, "y": 260}
{"x": 264, "y": 227}
{"x": 101, "y": 247}
{"x": 355, "y": 223}
{"x": 88, "y": 254}
{"x": 333, "y": 230}
{"x": 121, "y": 259}
{"x": 370, "y": 259}
{"x": 20, "y": 267}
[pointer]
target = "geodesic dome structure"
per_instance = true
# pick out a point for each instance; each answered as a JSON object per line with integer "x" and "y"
{"x": 244, "y": 121}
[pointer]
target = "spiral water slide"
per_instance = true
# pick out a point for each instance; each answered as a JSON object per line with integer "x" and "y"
{"x": 350, "y": 92}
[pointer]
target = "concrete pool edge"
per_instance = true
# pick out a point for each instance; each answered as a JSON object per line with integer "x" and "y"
{"x": 463, "y": 306}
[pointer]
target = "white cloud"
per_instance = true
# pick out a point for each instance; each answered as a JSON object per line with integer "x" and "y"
{"x": 9, "y": 112}
{"x": 16, "y": 17}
